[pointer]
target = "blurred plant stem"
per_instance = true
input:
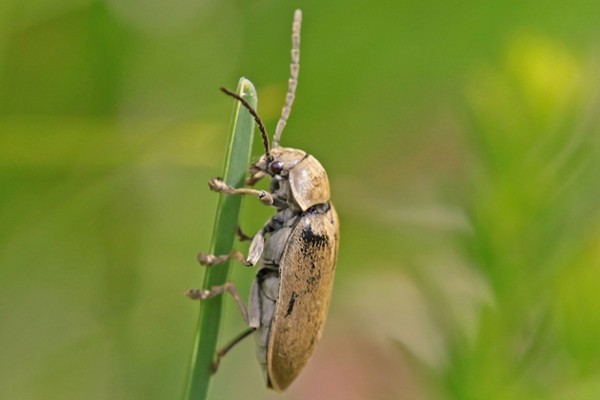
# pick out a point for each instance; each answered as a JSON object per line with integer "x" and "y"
{"x": 226, "y": 222}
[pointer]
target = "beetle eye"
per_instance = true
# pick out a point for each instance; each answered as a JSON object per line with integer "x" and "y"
{"x": 276, "y": 167}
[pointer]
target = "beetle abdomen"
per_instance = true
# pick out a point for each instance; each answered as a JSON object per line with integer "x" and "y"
{"x": 306, "y": 277}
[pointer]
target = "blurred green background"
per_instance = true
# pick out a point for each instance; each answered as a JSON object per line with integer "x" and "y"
{"x": 461, "y": 139}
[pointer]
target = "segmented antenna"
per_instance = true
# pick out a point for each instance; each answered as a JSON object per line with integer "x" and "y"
{"x": 261, "y": 127}
{"x": 293, "y": 81}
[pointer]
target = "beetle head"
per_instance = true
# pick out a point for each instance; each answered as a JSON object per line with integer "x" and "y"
{"x": 296, "y": 176}
{"x": 278, "y": 162}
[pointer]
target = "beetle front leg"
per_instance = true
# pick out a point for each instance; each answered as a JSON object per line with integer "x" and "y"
{"x": 217, "y": 185}
{"x": 255, "y": 177}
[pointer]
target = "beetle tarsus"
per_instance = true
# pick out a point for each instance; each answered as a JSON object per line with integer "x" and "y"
{"x": 209, "y": 260}
{"x": 198, "y": 294}
{"x": 217, "y": 185}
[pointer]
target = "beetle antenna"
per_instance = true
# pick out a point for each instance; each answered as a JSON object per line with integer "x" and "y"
{"x": 293, "y": 81}
{"x": 261, "y": 126}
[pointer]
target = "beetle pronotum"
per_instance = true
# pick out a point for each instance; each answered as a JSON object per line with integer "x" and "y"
{"x": 297, "y": 248}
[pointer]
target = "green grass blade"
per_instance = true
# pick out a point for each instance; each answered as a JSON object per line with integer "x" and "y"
{"x": 226, "y": 221}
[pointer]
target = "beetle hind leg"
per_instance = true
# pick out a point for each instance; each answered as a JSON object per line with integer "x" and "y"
{"x": 251, "y": 316}
{"x": 221, "y": 353}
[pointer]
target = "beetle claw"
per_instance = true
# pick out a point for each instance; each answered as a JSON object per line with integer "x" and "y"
{"x": 214, "y": 366}
{"x": 217, "y": 184}
{"x": 265, "y": 198}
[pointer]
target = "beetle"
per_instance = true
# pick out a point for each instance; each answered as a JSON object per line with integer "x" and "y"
{"x": 297, "y": 249}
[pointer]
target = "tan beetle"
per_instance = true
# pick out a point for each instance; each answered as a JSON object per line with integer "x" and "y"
{"x": 297, "y": 247}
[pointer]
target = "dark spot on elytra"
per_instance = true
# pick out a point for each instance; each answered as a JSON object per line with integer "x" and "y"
{"x": 310, "y": 239}
{"x": 291, "y": 304}
{"x": 315, "y": 275}
{"x": 311, "y": 280}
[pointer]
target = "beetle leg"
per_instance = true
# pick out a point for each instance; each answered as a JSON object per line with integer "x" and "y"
{"x": 255, "y": 177}
{"x": 254, "y": 305}
{"x": 210, "y": 259}
{"x": 229, "y": 287}
{"x": 217, "y": 185}
{"x": 256, "y": 248}
{"x": 221, "y": 353}
{"x": 242, "y": 236}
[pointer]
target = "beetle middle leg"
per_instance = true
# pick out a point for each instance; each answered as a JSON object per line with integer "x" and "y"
{"x": 217, "y": 185}
{"x": 229, "y": 287}
{"x": 256, "y": 249}
{"x": 210, "y": 259}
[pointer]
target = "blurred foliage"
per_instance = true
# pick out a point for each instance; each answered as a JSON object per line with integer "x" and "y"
{"x": 461, "y": 139}
{"x": 535, "y": 219}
